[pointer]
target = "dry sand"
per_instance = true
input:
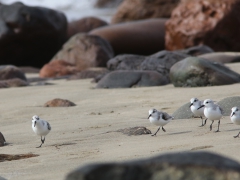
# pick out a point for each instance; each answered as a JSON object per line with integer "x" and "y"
{"x": 84, "y": 134}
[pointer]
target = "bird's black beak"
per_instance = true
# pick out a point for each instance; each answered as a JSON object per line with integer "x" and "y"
{"x": 149, "y": 116}
{"x": 35, "y": 123}
{"x": 232, "y": 114}
{"x": 190, "y": 105}
{"x": 200, "y": 106}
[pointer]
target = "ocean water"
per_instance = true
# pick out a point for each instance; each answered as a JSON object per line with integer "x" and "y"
{"x": 73, "y": 9}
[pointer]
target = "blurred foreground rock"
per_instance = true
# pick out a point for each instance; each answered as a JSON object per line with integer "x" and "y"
{"x": 173, "y": 166}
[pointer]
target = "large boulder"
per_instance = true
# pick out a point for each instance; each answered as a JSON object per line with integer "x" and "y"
{"x": 11, "y": 72}
{"x": 172, "y": 166}
{"x": 143, "y": 37}
{"x": 84, "y": 25}
{"x": 30, "y": 36}
{"x": 228, "y": 103}
{"x": 213, "y": 23}
{"x": 84, "y": 51}
{"x": 131, "y": 10}
{"x": 194, "y": 72}
{"x": 128, "y": 79}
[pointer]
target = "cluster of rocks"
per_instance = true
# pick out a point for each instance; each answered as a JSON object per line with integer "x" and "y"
{"x": 147, "y": 43}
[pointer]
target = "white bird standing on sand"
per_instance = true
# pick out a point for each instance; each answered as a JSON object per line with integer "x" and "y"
{"x": 195, "y": 104}
{"x": 235, "y": 118}
{"x": 159, "y": 118}
{"x": 40, "y": 127}
{"x": 212, "y": 112}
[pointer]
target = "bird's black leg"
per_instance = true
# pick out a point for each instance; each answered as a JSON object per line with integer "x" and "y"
{"x": 211, "y": 125}
{"x": 156, "y": 132}
{"x": 202, "y": 121}
{"x": 218, "y": 126}
{"x": 42, "y": 142}
{"x": 163, "y": 129}
{"x": 236, "y": 135}
{"x": 205, "y": 121}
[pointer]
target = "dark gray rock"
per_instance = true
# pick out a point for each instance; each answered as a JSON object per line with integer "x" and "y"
{"x": 30, "y": 36}
{"x": 197, "y": 50}
{"x": 160, "y": 62}
{"x": 2, "y": 140}
{"x": 227, "y": 103}
{"x": 222, "y": 57}
{"x": 15, "y": 82}
{"x": 184, "y": 112}
{"x": 174, "y": 166}
{"x": 11, "y": 72}
{"x": 127, "y": 79}
{"x": 135, "y": 131}
{"x": 195, "y": 72}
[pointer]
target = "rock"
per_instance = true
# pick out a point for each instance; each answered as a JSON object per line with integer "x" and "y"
{"x": 195, "y": 72}
{"x": 142, "y": 37}
{"x": 132, "y": 10}
{"x": 2, "y": 140}
{"x": 227, "y": 103}
{"x": 84, "y": 25}
{"x": 197, "y": 50}
{"x": 29, "y": 69}
{"x": 11, "y": 157}
{"x": 127, "y": 79}
{"x": 184, "y": 112}
{"x": 107, "y": 3}
{"x": 171, "y": 166}
{"x": 135, "y": 131}
{"x": 59, "y": 103}
{"x": 89, "y": 73}
{"x": 222, "y": 57}
{"x": 213, "y": 23}
{"x": 57, "y": 68}
{"x": 15, "y": 82}
{"x": 160, "y": 62}
{"x": 11, "y": 72}
{"x": 30, "y": 36}
{"x": 85, "y": 51}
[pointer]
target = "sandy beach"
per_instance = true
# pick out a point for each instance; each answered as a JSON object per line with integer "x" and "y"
{"x": 86, "y": 133}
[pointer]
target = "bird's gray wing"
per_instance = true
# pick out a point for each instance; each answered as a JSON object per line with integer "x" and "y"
{"x": 48, "y": 125}
{"x": 166, "y": 116}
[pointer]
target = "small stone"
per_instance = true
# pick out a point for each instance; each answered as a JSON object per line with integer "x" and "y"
{"x": 135, "y": 131}
{"x": 59, "y": 103}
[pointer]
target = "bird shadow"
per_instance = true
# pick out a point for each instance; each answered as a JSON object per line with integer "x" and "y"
{"x": 183, "y": 132}
{"x": 233, "y": 129}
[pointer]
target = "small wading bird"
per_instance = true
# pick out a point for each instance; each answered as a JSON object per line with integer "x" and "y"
{"x": 159, "y": 118}
{"x": 212, "y": 112}
{"x": 40, "y": 127}
{"x": 235, "y": 118}
{"x": 195, "y": 104}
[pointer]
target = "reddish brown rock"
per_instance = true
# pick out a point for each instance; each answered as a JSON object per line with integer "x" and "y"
{"x": 59, "y": 103}
{"x": 84, "y": 51}
{"x": 2, "y": 140}
{"x": 143, "y": 37}
{"x": 57, "y": 68}
{"x": 84, "y": 25}
{"x": 209, "y": 22}
{"x": 131, "y": 10}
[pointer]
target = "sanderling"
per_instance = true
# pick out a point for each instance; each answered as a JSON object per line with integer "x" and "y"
{"x": 235, "y": 118}
{"x": 159, "y": 118}
{"x": 195, "y": 104}
{"x": 212, "y": 111}
{"x": 40, "y": 127}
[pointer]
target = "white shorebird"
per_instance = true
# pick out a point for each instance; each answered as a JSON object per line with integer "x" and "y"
{"x": 195, "y": 104}
{"x": 235, "y": 118}
{"x": 40, "y": 127}
{"x": 212, "y": 112}
{"x": 159, "y": 118}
